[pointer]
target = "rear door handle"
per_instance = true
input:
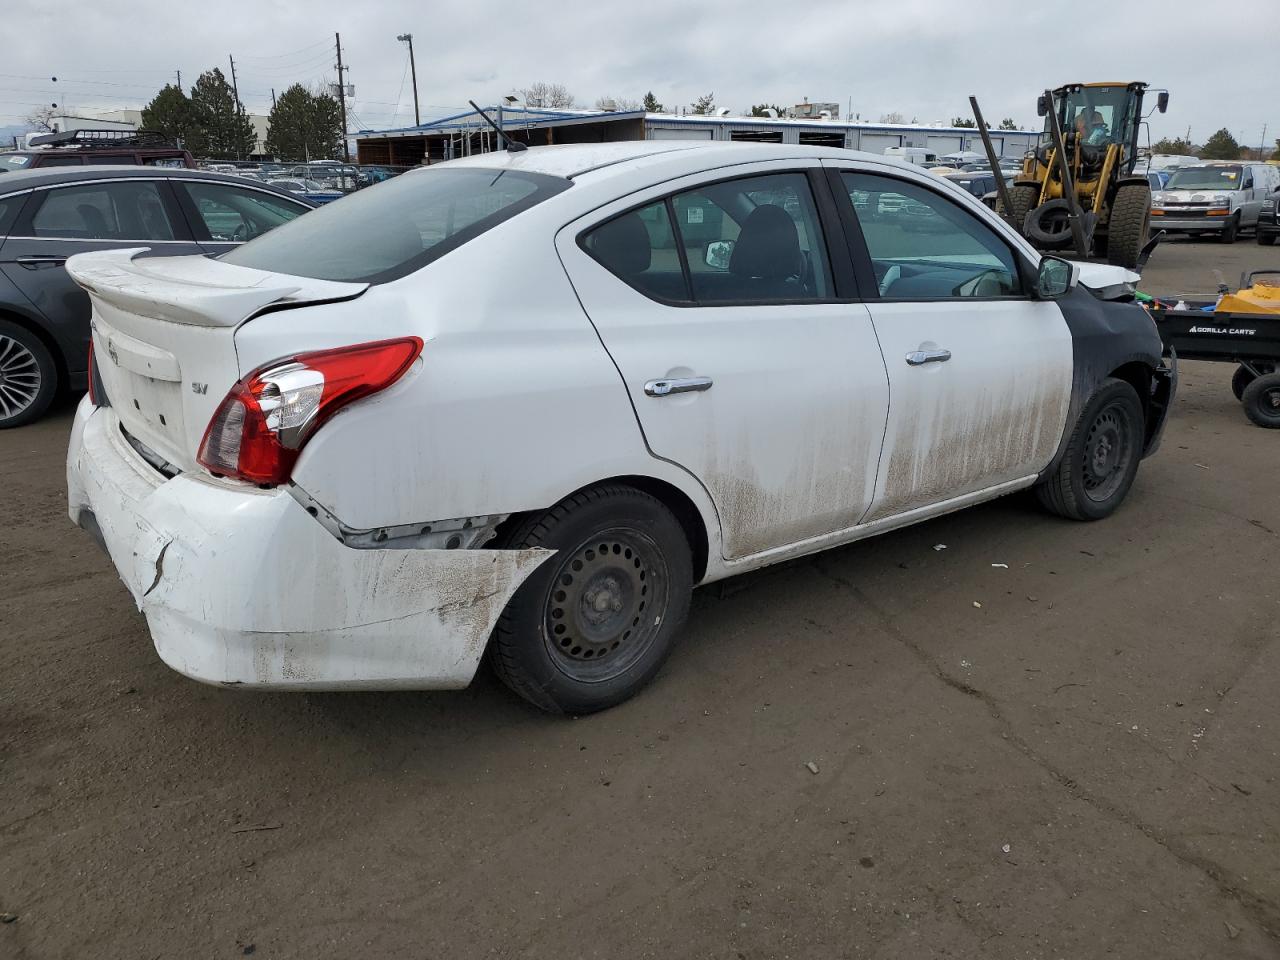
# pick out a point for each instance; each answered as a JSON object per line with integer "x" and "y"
{"x": 664, "y": 388}
{"x": 918, "y": 357}
{"x": 34, "y": 263}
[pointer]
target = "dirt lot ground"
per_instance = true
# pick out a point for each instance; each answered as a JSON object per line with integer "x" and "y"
{"x": 1084, "y": 766}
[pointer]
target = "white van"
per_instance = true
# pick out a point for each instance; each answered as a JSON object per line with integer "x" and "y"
{"x": 1222, "y": 198}
{"x": 917, "y": 155}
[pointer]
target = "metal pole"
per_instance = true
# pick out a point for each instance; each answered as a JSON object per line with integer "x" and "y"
{"x": 1068, "y": 188}
{"x": 1001, "y": 188}
{"x": 502, "y": 137}
{"x": 413, "y": 72}
{"x": 235, "y": 90}
{"x": 342, "y": 101}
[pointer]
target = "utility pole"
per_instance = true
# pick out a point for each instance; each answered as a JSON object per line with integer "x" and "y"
{"x": 342, "y": 101}
{"x": 1262, "y": 148}
{"x": 235, "y": 92}
{"x": 273, "y": 98}
{"x": 179, "y": 79}
{"x": 413, "y": 72}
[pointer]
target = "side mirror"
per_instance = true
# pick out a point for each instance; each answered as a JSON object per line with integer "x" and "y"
{"x": 1042, "y": 105}
{"x": 1055, "y": 277}
{"x": 718, "y": 254}
{"x": 1162, "y": 101}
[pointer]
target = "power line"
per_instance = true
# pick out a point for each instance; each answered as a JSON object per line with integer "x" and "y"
{"x": 274, "y": 56}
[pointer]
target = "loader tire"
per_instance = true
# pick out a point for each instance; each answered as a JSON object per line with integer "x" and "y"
{"x": 1130, "y": 224}
{"x": 1021, "y": 199}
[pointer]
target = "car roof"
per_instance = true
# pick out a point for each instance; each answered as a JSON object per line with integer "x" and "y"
{"x": 43, "y": 177}
{"x": 607, "y": 159}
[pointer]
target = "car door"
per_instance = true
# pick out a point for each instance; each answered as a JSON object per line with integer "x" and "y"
{"x": 979, "y": 373}
{"x": 70, "y": 218}
{"x": 223, "y": 215}
{"x": 1251, "y": 195}
{"x": 748, "y": 359}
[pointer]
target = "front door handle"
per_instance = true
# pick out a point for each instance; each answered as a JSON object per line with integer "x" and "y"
{"x": 918, "y": 357}
{"x": 34, "y": 263}
{"x": 664, "y": 388}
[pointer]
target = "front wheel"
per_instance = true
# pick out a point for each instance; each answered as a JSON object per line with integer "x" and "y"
{"x": 1261, "y": 401}
{"x": 1266, "y": 239}
{"x": 595, "y": 622}
{"x": 1230, "y": 230}
{"x": 1101, "y": 458}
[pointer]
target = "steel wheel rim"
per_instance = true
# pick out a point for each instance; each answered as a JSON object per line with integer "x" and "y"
{"x": 605, "y": 606}
{"x": 19, "y": 377}
{"x": 1107, "y": 451}
{"x": 1270, "y": 402}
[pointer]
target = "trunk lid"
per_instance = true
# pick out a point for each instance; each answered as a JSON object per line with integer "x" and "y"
{"x": 164, "y": 336}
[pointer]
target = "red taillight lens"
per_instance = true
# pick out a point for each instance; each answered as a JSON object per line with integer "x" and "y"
{"x": 260, "y": 428}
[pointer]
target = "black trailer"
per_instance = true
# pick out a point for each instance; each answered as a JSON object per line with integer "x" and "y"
{"x": 1250, "y": 340}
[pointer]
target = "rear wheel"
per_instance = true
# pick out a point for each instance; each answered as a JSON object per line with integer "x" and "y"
{"x": 1266, "y": 239}
{"x": 1129, "y": 225}
{"x": 1244, "y": 376}
{"x": 1261, "y": 401}
{"x": 28, "y": 376}
{"x": 1230, "y": 230}
{"x": 1101, "y": 458}
{"x": 593, "y": 624}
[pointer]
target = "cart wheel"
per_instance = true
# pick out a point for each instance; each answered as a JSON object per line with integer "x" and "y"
{"x": 1244, "y": 376}
{"x": 1262, "y": 401}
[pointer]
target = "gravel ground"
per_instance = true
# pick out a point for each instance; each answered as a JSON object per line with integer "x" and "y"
{"x": 1084, "y": 766}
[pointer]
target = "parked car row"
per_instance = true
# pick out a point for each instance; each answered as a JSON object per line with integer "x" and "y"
{"x": 48, "y": 215}
{"x": 281, "y": 451}
{"x": 1215, "y": 198}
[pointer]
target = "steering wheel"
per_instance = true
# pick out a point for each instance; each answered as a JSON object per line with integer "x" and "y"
{"x": 891, "y": 276}
{"x": 241, "y": 233}
{"x": 970, "y": 287}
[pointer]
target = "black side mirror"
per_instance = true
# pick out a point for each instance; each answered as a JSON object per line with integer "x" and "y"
{"x": 1055, "y": 277}
{"x": 1162, "y": 101}
{"x": 1042, "y": 106}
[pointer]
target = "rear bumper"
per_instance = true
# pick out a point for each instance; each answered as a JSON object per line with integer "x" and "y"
{"x": 241, "y": 586}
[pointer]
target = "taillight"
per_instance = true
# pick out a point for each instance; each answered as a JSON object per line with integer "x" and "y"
{"x": 267, "y": 418}
{"x": 93, "y": 387}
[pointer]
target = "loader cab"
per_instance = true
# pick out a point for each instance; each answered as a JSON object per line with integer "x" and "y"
{"x": 1108, "y": 113}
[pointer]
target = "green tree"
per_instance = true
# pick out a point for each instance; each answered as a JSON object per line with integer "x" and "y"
{"x": 1276, "y": 155}
{"x": 652, "y": 105}
{"x": 704, "y": 105}
{"x": 1221, "y": 146}
{"x": 1008, "y": 124}
{"x": 761, "y": 110}
{"x": 228, "y": 131}
{"x": 170, "y": 112}
{"x": 304, "y": 125}
{"x": 1177, "y": 146}
{"x": 962, "y": 122}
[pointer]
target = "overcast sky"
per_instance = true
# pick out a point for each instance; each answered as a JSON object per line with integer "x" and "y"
{"x": 921, "y": 58}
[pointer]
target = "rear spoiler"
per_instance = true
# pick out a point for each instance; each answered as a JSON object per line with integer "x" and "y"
{"x": 194, "y": 290}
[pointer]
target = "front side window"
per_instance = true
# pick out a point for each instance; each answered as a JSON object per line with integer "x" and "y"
{"x": 751, "y": 240}
{"x": 234, "y": 214}
{"x": 394, "y": 228}
{"x": 103, "y": 211}
{"x": 15, "y": 161}
{"x": 924, "y": 247}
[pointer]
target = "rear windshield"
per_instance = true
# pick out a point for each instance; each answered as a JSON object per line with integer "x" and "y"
{"x": 389, "y": 230}
{"x": 14, "y": 161}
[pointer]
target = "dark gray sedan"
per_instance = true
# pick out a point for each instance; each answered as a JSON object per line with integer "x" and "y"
{"x": 48, "y": 215}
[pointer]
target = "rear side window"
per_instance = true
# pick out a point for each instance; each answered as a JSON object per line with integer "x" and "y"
{"x": 103, "y": 211}
{"x": 229, "y": 214}
{"x": 9, "y": 207}
{"x": 387, "y": 231}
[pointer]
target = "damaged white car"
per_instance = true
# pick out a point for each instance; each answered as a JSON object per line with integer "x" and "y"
{"x": 521, "y": 404}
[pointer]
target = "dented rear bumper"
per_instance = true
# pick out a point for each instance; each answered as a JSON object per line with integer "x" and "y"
{"x": 241, "y": 586}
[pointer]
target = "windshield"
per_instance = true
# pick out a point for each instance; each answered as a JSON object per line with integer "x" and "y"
{"x": 1097, "y": 115}
{"x": 387, "y": 231}
{"x": 14, "y": 161}
{"x": 1204, "y": 178}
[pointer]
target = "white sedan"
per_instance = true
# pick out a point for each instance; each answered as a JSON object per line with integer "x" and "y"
{"x": 521, "y": 404}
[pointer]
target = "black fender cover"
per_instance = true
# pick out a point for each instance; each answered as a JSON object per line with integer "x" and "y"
{"x": 1105, "y": 336}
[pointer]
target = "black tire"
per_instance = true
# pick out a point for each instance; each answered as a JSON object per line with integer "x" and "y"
{"x": 1261, "y": 401}
{"x": 1049, "y": 225}
{"x": 28, "y": 376}
{"x": 595, "y": 622}
{"x": 1101, "y": 458}
{"x": 1129, "y": 225}
{"x": 1230, "y": 230}
{"x": 1022, "y": 197}
{"x": 1243, "y": 377}
{"x": 1266, "y": 239}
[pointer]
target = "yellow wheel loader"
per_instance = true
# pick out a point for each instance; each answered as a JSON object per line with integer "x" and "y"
{"x": 1077, "y": 187}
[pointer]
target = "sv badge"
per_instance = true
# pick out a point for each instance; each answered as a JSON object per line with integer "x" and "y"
{"x": 201, "y": 388}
